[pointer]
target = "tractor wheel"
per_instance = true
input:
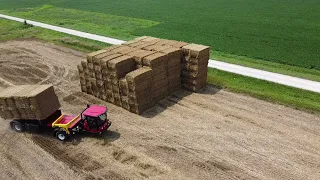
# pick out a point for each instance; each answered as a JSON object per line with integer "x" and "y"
{"x": 61, "y": 135}
{"x": 17, "y": 126}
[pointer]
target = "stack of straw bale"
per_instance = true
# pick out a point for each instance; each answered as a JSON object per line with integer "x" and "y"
{"x": 195, "y": 66}
{"x": 34, "y": 102}
{"x": 139, "y": 85}
{"x": 139, "y": 73}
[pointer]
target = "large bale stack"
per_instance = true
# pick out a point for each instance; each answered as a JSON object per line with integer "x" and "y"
{"x": 139, "y": 84}
{"x": 124, "y": 93}
{"x": 28, "y": 102}
{"x": 195, "y": 66}
{"x": 173, "y": 68}
{"x": 139, "y": 73}
{"x": 158, "y": 62}
{"x": 118, "y": 68}
{"x": 106, "y": 75}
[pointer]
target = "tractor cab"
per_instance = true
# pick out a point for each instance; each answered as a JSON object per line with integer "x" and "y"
{"x": 95, "y": 119}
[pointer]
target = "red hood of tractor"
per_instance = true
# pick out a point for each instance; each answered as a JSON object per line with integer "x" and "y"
{"x": 95, "y": 111}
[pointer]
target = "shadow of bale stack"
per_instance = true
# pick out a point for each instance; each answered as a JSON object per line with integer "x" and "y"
{"x": 141, "y": 72}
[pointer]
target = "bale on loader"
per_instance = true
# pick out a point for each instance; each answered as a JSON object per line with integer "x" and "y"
{"x": 28, "y": 102}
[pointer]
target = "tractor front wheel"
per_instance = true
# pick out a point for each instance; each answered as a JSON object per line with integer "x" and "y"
{"x": 17, "y": 126}
{"x": 61, "y": 135}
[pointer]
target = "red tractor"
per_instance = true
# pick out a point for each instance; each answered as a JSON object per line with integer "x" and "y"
{"x": 93, "y": 119}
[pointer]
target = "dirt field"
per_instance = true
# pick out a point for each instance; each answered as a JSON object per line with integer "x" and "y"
{"x": 210, "y": 135}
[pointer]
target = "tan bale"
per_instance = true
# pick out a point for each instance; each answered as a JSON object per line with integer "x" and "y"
{"x": 43, "y": 100}
{"x": 121, "y": 66}
{"x": 111, "y": 99}
{"x": 174, "y": 87}
{"x": 97, "y": 68}
{"x": 139, "y": 75}
{"x": 174, "y": 56}
{"x": 135, "y": 40}
{"x": 136, "y": 44}
{"x": 173, "y": 78}
{"x": 105, "y": 60}
{"x": 7, "y": 105}
{"x": 160, "y": 94}
{"x": 163, "y": 83}
{"x": 125, "y": 102}
{"x": 194, "y": 88}
{"x": 138, "y": 109}
{"x": 160, "y": 77}
{"x": 84, "y": 64}
{"x": 117, "y": 100}
{"x": 190, "y": 74}
{"x": 179, "y": 44}
{"x": 80, "y": 68}
{"x": 145, "y": 44}
{"x": 90, "y": 66}
{"x": 82, "y": 82}
{"x": 150, "y": 39}
{"x": 86, "y": 73}
{"x": 100, "y": 84}
{"x": 96, "y": 60}
{"x": 110, "y": 48}
{"x": 196, "y": 50}
{"x": 159, "y": 48}
{"x": 139, "y": 55}
{"x": 194, "y": 81}
{"x": 174, "y": 70}
{"x": 124, "y": 49}
{"x": 124, "y": 88}
{"x": 128, "y": 50}
{"x": 115, "y": 89}
{"x": 156, "y": 60}
{"x": 196, "y": 61}
{"x": 141, "y": 96}
{"x": 193, "y": 67}
{"x": 153, "y": 47}
{"x": 164, "y": 42}
{"x": 109, "y": 92}
{"x": 91, "y": 55}
{"x": 84, "y": 89}
{"x": 82, "y": 77}
{"x": 98, "y": 76}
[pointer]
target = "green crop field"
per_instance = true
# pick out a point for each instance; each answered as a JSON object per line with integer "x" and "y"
{"x": 282, "y": 31}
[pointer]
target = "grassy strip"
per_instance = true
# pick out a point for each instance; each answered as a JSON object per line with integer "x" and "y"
{"x": 272, "y": 92}
{"x": 14, "y": 30}
{"x": 96, "y": 23}
{"x": 311, "y": 74}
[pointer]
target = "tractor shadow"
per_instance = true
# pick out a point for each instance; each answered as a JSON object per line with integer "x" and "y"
{"x": 175, "y": 98}
{"x": 106, "y": 137}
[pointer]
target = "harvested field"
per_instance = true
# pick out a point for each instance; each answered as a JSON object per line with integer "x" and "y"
{"x": 213, "y": 134}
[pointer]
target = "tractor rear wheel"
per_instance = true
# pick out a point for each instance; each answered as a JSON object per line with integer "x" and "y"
{"x": 61, "y": 135}
{"x": 17, "y": 126}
